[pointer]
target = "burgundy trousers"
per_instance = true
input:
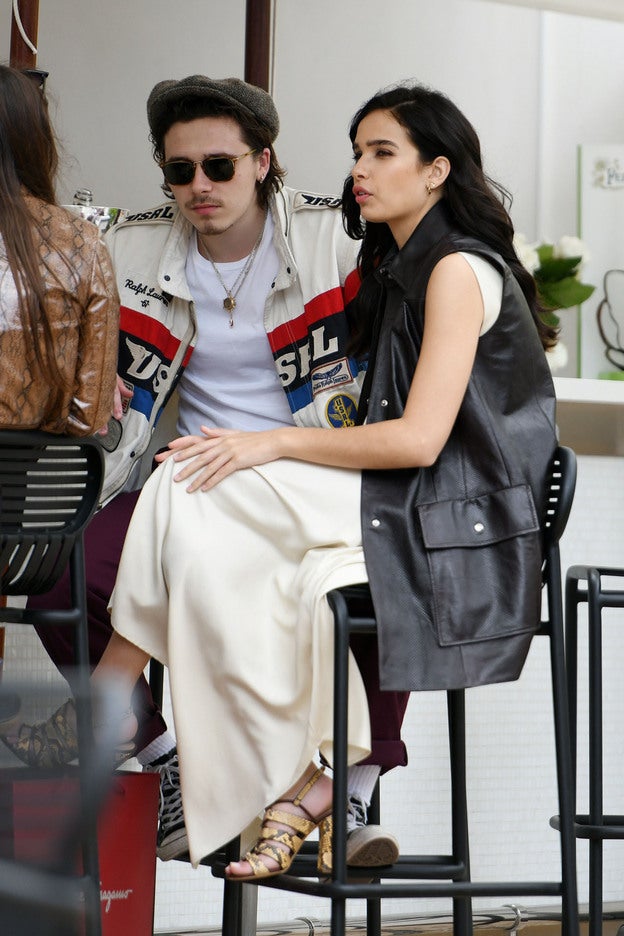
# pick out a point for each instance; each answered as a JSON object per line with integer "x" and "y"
{"x": 104, "y": 540}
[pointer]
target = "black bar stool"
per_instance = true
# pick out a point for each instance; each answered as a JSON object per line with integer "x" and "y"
{"x": 446, "y": 875}
{"x": 586, "y": 584}
{"x": 49, "y": 490}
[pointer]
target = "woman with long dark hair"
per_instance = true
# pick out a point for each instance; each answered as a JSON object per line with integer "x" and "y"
{"x": 59, "y": 309}
{"x": 436, "y": 495}
{"x": 476, "y": 202}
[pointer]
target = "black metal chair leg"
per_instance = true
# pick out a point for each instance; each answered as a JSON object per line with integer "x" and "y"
{"x": 84, "y": 723}
{"x": 373, "y": 917}
{"x": 565, "y": 769}
{"x": 595, "y": 826}
{"x": 573, "y": 596}
{"x": 339, "y": 849}
{"x": 373, "y": 904}
{"x": 338, "y": 916}
{"x": 462, "y": 906}
{"x": 341, "y": 677}
{"x": 596, "y": 802}
{"x": 232, "y": 909}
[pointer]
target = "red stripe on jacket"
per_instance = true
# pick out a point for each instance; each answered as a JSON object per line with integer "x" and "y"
{"x": 320, "y": 307}
{"x": 151, "y": 331}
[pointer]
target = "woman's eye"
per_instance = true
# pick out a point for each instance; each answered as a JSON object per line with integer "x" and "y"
{"x": 383, "y": 152}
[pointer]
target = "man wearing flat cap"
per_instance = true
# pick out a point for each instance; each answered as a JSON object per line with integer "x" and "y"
{"x": 233, "y": 295}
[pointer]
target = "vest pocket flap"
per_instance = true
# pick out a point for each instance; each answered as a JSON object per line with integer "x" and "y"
{"x": 479, "y": 521}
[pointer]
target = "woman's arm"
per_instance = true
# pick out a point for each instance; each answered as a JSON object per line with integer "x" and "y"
{"x": 453, "y": 318}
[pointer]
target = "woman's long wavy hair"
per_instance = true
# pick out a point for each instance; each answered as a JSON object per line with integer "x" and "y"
{"x": 28, "y": 164}
{"x": 478, "y": 205}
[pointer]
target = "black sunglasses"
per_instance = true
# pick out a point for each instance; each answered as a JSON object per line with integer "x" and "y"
{"x": 217, "y": 168}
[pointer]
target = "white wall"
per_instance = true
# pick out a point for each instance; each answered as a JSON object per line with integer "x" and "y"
{"x": 104, "y": 58}
{"x": 459, "y": 47}
{"x": 582, "y": 102}
{"x": 534, "y": 85}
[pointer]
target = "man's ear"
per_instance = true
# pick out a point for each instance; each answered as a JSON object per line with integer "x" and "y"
{"x": 264, "y": 162}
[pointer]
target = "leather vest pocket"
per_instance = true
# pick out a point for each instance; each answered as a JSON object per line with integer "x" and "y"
{"x": 484, "y": 559}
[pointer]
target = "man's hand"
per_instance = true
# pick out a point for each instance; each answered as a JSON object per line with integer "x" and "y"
{"x": 121, "y": 393}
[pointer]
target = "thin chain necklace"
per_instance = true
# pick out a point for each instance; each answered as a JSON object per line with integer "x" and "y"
{"x": 229, "y": 303}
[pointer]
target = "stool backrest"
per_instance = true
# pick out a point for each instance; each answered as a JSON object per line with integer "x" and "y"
{"x": 49, "y": 489}
{"x": 560, "y": 495}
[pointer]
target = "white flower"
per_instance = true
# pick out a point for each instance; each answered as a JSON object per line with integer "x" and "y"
{"x": 527, "y": 253}
{"x": 557, "y": 357}
{"x": 568, "y": 246}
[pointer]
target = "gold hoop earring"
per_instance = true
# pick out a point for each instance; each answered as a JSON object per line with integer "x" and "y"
{"x": 429, "y": 188}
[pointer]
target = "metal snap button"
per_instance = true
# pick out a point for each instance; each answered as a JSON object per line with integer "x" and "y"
{"x": 479, "y": 528}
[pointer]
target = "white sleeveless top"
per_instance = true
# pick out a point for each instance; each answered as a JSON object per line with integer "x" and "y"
{"x": 491, "y": 285}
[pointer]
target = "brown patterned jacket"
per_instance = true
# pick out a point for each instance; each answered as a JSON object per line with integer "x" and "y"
{"x": 83, "y": 311}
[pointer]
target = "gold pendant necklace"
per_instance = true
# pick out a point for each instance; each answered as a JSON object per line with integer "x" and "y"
{"x": 229, "y": 303}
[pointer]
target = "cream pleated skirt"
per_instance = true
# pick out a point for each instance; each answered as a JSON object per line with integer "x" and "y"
{"x": 227, "y": 588}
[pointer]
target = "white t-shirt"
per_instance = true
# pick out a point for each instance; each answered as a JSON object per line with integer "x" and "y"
{"x": 491, "y": 285}
{"x": 231, "y": 381}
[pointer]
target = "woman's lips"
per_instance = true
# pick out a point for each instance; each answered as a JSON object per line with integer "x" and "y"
{"x": 361, "y": 195}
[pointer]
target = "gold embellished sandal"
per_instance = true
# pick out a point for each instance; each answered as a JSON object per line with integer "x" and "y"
{"x": 54, "y": 743}
{"x": 272, "y": 838}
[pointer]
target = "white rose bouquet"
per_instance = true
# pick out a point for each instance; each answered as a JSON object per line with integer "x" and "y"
{"x": 556, "y": 269}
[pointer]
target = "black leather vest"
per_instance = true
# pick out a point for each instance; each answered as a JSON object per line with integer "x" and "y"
{"x": 453, "y": 551}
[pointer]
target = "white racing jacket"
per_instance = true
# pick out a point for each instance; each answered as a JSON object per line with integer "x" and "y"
{"x": 304, "y": 320}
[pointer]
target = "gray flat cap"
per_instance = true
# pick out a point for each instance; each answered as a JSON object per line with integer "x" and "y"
{"x": 243, "y": 97}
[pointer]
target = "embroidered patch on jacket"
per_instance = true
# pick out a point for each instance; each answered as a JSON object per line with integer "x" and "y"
{"x": 144, "y": 292}
{"x": 341, "y": 411}
{"x": 329, "y": 375}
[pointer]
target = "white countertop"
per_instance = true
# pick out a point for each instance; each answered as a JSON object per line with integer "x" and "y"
{"x": 590, "y": 415}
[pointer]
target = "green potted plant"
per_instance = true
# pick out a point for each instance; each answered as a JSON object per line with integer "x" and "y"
{"x": 556, "y": 268}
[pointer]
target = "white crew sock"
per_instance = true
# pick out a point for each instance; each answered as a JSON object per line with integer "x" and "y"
{"x": 160, "y": 746}
{"x": 361, "y": 782}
